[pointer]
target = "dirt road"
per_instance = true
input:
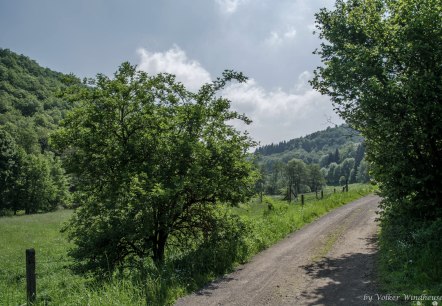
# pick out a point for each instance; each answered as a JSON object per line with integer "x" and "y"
{"x": 328, "y": 262}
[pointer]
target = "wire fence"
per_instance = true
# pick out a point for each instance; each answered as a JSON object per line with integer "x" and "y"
{"x": 311, "y": 196}
{"x": 44, "y": 262}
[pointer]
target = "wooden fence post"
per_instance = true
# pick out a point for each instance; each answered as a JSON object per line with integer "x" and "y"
{"x": 302, "y": 199}
{"x": 31, "y": 286}
{"x": 322, "y": 194}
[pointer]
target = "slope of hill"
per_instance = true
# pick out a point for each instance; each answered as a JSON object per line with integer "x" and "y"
{"x": 31, "y": 176}
{"x": 29, "y": 106}
{"x": 338, "y": 151}
{"x": 314, "y": 146}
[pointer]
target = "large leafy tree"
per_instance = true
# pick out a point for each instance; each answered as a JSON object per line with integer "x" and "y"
{"x": 315, "y": 178}
{"x": 359, "y": 156}
{"x": 9, "y": 159}
{"x": 382, "y": 68}
{"x": 35, "y": 188}
{"x": 346, "y": 166}
{"x": 296, "y": 172}
{"x": 29, "y": 182}
{"x": 40, "y": 184}
{"x": 151, "y": 161}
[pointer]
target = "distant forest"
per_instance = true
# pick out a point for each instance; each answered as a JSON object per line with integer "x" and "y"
{"x": 327, "y": 140}
{"x": 337, "y": 151}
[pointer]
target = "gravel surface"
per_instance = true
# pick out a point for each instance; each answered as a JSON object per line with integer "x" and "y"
{"x": 328, "y": 262}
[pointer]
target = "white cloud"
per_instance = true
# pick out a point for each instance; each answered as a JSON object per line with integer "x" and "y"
{"x": 277, "y": 114}
{"x": 276, "y": 38}
{"x": 229, "y": 6}
{"x": 174, "y": 61}
{"x": 303, "y": 84}
{"x": 290, "y": 33}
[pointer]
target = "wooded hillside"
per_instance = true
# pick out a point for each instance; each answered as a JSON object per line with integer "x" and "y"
{"x": 30, "y": 108}
{"x": 337, "y": 151}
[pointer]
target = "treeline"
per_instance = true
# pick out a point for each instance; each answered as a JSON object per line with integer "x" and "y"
{"x": 31, "y": 175}
{"x": 326, "y": 140}
{"x": 337, "y": 159}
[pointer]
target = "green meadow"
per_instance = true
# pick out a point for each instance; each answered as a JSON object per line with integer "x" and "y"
{"x": 264, "y": 223}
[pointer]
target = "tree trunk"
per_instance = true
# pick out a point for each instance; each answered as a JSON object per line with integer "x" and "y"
{"x": 160, "y": 245}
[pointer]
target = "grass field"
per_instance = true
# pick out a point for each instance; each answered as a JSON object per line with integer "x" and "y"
{"x": 268, "y": 222}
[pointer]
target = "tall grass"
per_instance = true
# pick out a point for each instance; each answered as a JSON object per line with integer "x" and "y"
{"x": 410, "y": 259}
{"x": 271, "y": 225}
{"x": 262, "y": 224}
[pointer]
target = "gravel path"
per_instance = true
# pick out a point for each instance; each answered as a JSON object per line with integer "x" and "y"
{"x": 328, "y": 262}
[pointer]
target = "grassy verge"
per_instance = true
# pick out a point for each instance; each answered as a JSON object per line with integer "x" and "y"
{"x": 262, "y": 224}
{"x": 270, "y": 226}
{"x": 410, "y": 261}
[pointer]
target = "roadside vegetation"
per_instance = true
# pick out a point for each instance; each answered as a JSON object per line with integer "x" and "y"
{"x": 261, "y": 225}
{"x": 382, "y": 69}
{"x": 410, "y": 260}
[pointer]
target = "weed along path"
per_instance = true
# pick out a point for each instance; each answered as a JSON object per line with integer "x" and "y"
{"x": 328, "y": 262}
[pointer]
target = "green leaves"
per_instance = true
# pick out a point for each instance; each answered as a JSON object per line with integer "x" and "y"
{"x": 151, "y": 159}
{"x": 383, "y": 71}
{"x": 30, "y": 182}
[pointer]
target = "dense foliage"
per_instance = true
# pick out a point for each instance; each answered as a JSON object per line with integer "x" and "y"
{"x": 338, "y": 152}
{"x": 313, "y": 146}
{"x": 29, "y": 105}
{"x": 32, "y": 177}
{"x": 152, "y": 161}
{"x": 383, "y": 70}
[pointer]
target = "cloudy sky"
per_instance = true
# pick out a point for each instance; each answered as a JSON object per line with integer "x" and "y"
{"x": 270, "y": 41}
